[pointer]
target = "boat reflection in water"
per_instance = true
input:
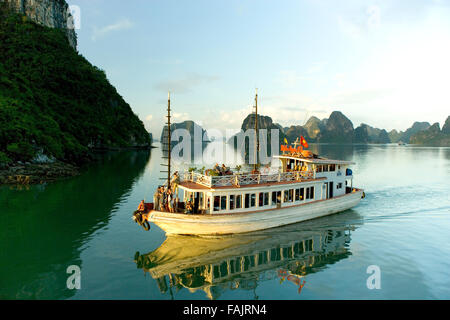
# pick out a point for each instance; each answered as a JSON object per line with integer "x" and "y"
{"x": 240, "y": 261}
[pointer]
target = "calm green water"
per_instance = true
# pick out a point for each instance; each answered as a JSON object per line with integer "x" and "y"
{"x": 402, "y": 226}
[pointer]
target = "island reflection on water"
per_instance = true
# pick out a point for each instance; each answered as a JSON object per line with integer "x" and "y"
{"x": 241, "y": 261}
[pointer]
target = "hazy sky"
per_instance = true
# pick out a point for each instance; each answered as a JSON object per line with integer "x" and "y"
{"x": 384, "y": 63}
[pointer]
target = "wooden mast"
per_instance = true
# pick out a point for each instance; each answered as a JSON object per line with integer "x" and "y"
{"x": 255, "y": 167}
{"x": 169, "y": 141}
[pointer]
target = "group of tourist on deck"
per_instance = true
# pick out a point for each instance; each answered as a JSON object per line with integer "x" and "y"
{"x": 222, "y": 170}
{"x": 165, "y": 198}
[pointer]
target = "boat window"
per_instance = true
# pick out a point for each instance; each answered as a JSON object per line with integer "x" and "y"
{"x": 238, "y": 202}
{"x": 339, "y": 185}
{"x": 276, "y": 197}
{"x": 232, "y": 202}
{"x": 332, "y": 167}
{"x": 318, "y": 168}
{"x": 300, "y": 194}
{"x": 216, "y": 203}
{"x": 223, "y": 203}
{"x": 325, "y": 168}
{"x": 310, "y": 193}
{"x": 263, "y": 199}
{"x": 253, "y": 200}
{"x": 247, "y": 200}
{"x": 288, "y": 195}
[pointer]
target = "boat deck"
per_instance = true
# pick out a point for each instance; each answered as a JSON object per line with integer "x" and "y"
{"x": 189, "y": 185}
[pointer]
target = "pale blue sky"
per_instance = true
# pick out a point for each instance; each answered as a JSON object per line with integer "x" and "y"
{"x": 385, "y": 63}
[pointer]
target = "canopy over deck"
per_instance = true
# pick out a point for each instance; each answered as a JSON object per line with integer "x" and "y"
{"x": 315, "y": 160}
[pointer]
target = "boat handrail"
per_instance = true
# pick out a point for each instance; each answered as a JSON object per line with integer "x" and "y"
{"x": 246, "y": 178}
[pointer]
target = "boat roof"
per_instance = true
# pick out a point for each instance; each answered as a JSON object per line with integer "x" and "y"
{"x": 316, "y": 160}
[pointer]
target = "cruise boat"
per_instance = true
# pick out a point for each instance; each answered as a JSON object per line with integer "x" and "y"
{"x": 306, "y": 186}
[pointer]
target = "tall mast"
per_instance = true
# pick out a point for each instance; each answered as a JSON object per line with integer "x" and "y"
{"x": 169, "y": 141}
{"x": 256, "y": 132}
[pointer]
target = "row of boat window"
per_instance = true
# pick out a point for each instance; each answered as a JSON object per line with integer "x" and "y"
{"x": 248, "y": 200}
{"x": 326, "y": 168}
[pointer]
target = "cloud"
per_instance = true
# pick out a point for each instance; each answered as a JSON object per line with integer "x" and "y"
{"x": 180, "y": 117}
{"x": 149, "y": 117}
{"x": 120, "y": 25}
{"x": 185, "y": 84}
{"x": 357, "y": 26}
{"x": 286, "y": 110}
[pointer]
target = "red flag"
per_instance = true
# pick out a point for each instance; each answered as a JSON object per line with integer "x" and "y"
{"x": 303, "y": 142}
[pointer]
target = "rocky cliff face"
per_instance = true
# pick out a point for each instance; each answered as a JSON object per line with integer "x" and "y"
{"x": 446, "y": 127}
{"x": 433, "y": 136}
{"x": 49, "y": 13}
{"x": 338, "y": 129}
{"x": 198, "y": 137}
{"x": 367, "y": 134}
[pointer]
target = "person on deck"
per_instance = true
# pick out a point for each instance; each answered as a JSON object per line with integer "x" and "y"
{"x": 163, "y": 199}
{"x": 175, "y": 203}
{"x": 217, "y": 169}
{"x": 156, "y": 198}
{"x": 175, "y": 182}
{"x": 141, "y": 207}
{"x": 188, "y": 207}
{"x": 170, "y": 201}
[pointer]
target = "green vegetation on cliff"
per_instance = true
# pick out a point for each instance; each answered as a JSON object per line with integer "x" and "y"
{"x": 53, "y": 101}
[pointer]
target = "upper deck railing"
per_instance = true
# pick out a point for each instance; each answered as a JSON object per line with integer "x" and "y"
{"x": 246, "y": 178}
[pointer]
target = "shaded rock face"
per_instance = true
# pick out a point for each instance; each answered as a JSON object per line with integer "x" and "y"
{"x": 367, "y": 134}
{"x": 433, "y": 136}
{"x": 198, "y": 138}
{"x": 188, "y": 125}
{"x": 338, "y": 129}
{"x": 383, "y": 137}
{"x": 296, "y": 131}
{"x": 416, "y": 127}
{"x": 446, "y": 127}
{"x": 49, "y": 13}
{"x": 395, "y": 136}
{"x": 242, "y": 142}
{"x": 361, "y": 135}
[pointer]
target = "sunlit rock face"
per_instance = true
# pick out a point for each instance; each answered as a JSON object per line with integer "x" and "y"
{"x": 49, "y": 13}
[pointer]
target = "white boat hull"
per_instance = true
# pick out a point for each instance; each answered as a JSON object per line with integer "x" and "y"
{"x": 215, "y": 224}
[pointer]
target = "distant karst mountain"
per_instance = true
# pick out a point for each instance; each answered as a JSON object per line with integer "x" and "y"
{"x": 241, "y": 140}
{"x": 367, "y": 134}
{"x": 198, "y": 137}
{"x": 406, "y": 136}
{"x": 433, "y": 136}
{"x": 339, "y": 129}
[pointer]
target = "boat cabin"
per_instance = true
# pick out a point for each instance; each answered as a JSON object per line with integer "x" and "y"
{"x": 300, "y": 180}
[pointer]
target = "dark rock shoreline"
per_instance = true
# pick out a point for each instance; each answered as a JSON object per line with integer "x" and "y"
{"x": 32, "y": 173}
{"x": 27, "y": 173}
